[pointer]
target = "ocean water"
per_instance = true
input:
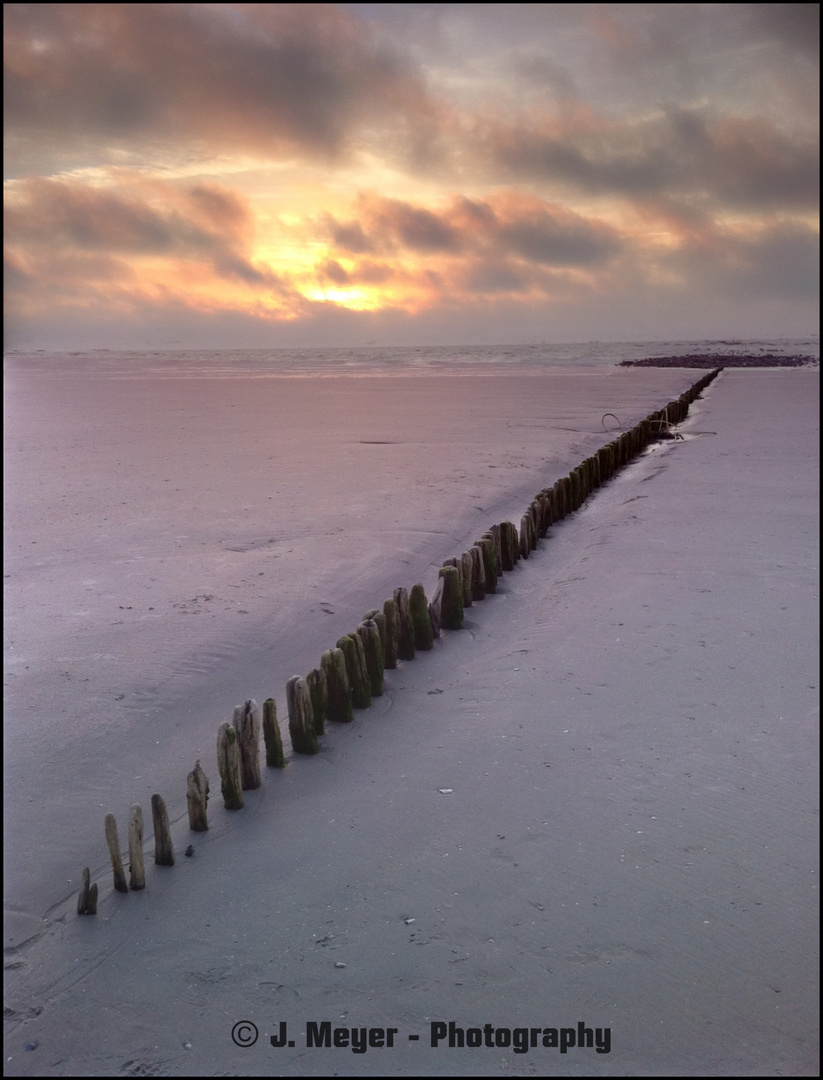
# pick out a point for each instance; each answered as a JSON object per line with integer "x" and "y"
{"x": 399, "y": 360}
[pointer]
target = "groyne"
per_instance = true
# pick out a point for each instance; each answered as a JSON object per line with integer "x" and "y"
{"x": 350, "y": 674}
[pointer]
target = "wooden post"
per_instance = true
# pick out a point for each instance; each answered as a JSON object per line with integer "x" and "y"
{"x": 466, "y": 578}
{"x": 197, "y": 797}
{"x": 360, "y": 691}
{"x": 497, "y": 536}
{"x": 362, "y": 665}
{"x": 486, "y": 545}
{"x": 87, "y": 900}
{"x": 373, "y": 647}
{"x": 163, "y": 850}
{"x": 391, "y": 645}
{"x": 421, "y": 620}
{"x": 319, "y": 694}
{"x": 535, "y": 512}
{"x": 333, "y": 663}
{"x": 228, "y": 762}
{"x": 247, "y": 722}
{"x": 137, "y": 871}
{"x": 451, "y": 610}
{"x": 275, "y": 758}
{"x": 114, "y": 851}
{"x": 301, "y": 719}
{"x": 435, "y": 608}
{"x": 458, "y": 565}
{"x": 405, "y": 647}
{"x": 508, "y": 545}
{"x": 379, "y": 618}
{"x": 525, "y": 542}
{"x": 478, "y": 574}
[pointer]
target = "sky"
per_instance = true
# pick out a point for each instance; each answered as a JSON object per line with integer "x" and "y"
{"x": 275, "y": 175}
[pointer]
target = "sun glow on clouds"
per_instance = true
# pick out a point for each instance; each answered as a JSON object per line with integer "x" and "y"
{"x": 564, "y": 172}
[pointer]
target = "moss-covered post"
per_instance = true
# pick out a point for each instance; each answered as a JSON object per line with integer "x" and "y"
{"x": 391, "y": 644}
{"x": 421, "y": 619}
{"x": 373, "y": 647}
{"x": 435, "y": 608}
{"x": 197, "y": 797}
{"x": 478, "y": 574}
{"x": 137, "y": 871}
{"x": 87, "y": 897}
{"x": 535, "y": 512}
{"x": 458, "y": 565}
{"x": 523, "y": 539}
{"x": 228, "y": 763}
{"x": 275, "y": 758}
{"x": 163, "y": 850}
{"x": 508, "y": 545}
{"x": 496, "y": 533}
{"x": 333, "y": 662}
{"x": 247, "y": 722}
{"x": 466, "y": 578}
{"x": 319, "y": 694}
{"x": 405, "y": 646}
{"x": 486, "y": 545}
{"x": 301, "y": 720}
{"x": 451, "y": 608}
{"x": 379, "y": 619}
{"x": 360, "y": 690}
{"x": 113, "y": 845}
{"x": 363, "y": 667}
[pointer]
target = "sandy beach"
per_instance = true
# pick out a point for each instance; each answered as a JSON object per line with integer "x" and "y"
{"x": 595, "y": 805}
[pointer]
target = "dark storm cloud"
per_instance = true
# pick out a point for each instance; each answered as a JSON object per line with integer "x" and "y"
{"x": 559, "y": 239}
{"x": 263, "y": 77}
{"x": 781, "y": 261}
{"x": 746, "y": 163}
{"x": 796, "y": 26}
{"x": 203, "y": 223}
{"x": 508, "y": 225}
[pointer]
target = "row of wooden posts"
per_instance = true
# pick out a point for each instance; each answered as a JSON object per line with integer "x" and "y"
{"x": 351, "y": 674}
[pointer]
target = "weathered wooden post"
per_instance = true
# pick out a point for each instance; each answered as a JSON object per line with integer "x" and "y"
{"x": 319, "y": 694}
{"x": 451, "y": 608}
{"x": 373, "y": 647}
{"x": 405, "y": 646}
{"x": 391, "y": 645}
{"x": 360, "y": 686}
{"x": 466, "y": 578}
{"x": 421, "y": 620}
{"x": 228, "y": 762}
{"x": 275, "y": 758}
{"x": 435, "y": 608}
{"x": 137, "y": 871}
{"x": 333, "y": 662}
{"x": 363, "y": 667}
{"x": 486, "y": 545}
{"x": 560, "y": 509}
{"x": 246, "y": 720}
{"x": 301, "y": 719}
{"x": 163, "y": 850}
{"x": 379, "y": 618}
{"x": 495, "y": 532}
{"x": 458, "y": 566}
{"x": 508, "y": 545}
{"x": 87, "y": 899}
{"x": 535, "y": 511}
{"x": 478, "y": 574}
{"x": 114, "y": 851}
{"x": 197, "y": 797}
{"x": 523, "y": 539}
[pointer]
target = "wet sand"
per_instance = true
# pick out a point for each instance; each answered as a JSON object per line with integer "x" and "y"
{"x": 595, "y": 804}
